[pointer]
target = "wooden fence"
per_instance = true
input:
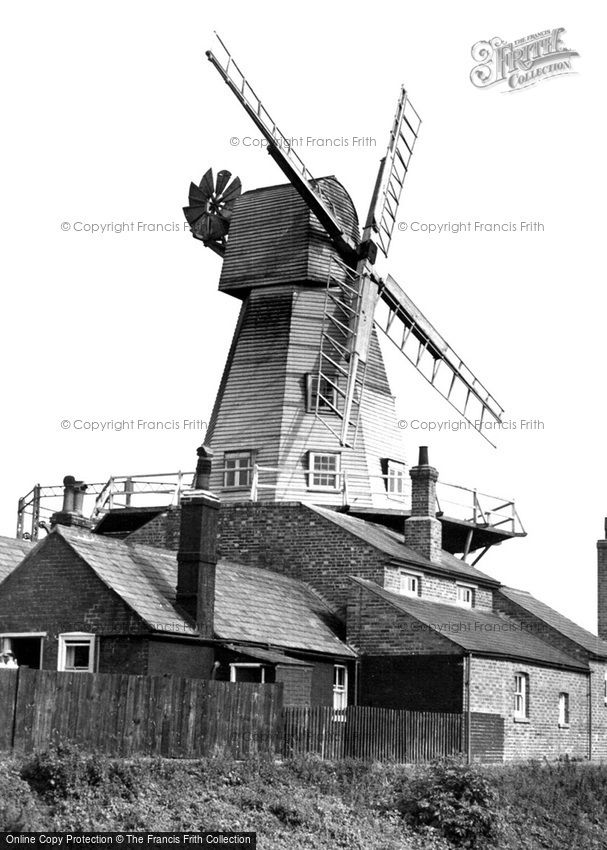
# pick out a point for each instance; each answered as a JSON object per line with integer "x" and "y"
{"x": 188, "y": 718}
{"x": 126, "y": 715}
{"x": 372, "y": 734}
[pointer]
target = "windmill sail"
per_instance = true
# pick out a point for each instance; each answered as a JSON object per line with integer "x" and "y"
{"x": 281, "y": 150}
{"x": 393, "y": 170}
{"x": 414, "y": 335}
{"x": 356, "y": 297}
{"x": 377, "y": 233}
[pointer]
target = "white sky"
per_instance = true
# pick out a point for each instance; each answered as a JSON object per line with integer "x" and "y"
{"x": 110, "y": 109}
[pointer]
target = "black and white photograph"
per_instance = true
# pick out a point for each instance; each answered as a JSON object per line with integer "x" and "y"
{"x": 303, "y": 516}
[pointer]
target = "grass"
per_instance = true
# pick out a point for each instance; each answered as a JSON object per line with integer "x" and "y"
{"x": 308, "y": 803}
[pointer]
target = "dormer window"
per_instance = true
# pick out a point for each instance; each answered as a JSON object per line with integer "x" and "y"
{"x": 464, "y": 595}
{"x": 410, "y": 584}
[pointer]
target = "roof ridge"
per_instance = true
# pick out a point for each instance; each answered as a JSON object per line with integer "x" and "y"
{"x": 549, "y": 654}
{"x": 600, "y": 642}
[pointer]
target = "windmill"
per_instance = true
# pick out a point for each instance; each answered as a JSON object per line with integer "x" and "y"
{"x": 263, "y": 237}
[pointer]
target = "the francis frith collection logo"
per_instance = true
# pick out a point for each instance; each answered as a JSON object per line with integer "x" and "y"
{"x": 519, "y": 64}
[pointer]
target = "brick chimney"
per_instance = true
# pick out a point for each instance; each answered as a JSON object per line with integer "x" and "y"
{"x": 423, "y": 531}
{"x": 197, "y": 554}
{"x": 602, "y": 584}
{"x": 73, "y": 500}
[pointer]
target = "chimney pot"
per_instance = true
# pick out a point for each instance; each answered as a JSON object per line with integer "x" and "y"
{"x": 73, "y": 500}
{"x": 423, "y": 456}
{"x": 68, "y": 493}
{"x": 202, "y": 477}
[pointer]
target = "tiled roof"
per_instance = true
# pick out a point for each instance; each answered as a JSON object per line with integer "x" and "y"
{"x": 591, "y": 643}
{"x": 250, "y": 604}
{"x": 392, "y": 544}
{"x": 12, "y": 552}
{"x": 263, "y": 606}
{"x": 475, "y": 630}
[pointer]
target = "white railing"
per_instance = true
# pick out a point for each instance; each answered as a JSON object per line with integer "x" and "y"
{"x": 119, "y": 491}
{"x": 166, "y": 488}
{"x": 452, "y": 500}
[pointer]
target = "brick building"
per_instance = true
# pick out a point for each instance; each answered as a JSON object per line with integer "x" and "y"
{"x": 337, "y": 607}
{"x": 431, "y": 632}
{"x": 89, "y": 602}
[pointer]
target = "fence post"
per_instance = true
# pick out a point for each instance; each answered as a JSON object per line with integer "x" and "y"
{"x": 15, "y": 699}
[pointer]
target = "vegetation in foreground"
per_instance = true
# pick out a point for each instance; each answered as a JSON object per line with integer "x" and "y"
{"x": 308, "y": 803}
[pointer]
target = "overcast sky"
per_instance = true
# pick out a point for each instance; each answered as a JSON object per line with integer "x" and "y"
{"x": 110, "y": 109}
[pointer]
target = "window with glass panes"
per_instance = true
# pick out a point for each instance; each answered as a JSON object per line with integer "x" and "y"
{"x": 323, "y": 472}
{"x": 521, "y": 696}
{"x": 237, "y": 469}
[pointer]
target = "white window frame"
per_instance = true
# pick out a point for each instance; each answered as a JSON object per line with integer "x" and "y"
{"x": 395, "y": 479}
{"x": 415, "y": 580}
{"x": 521, "y": 705}
{"x": 76, "y": 639}
{"x": 340, "y": 691}
{"x": 331, "y": 393}
{"x": 237, "y": 664}
{"x": 564, "y": 709}
{"x": 246, "y": 471}
{"x": 335, "y": 474}
{"x": 463, "y": 588}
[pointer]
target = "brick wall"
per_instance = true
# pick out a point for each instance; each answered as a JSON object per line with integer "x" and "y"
{"x": 602, "y": 587}
{"x": 162, "y": 531}
{"x": 486, "y": 738}
{"x": 492, "y": 691}
{"x": 122, "y": 655}
{"x": 289, "y": 538}
{"x": 599, "y": 709}
{"x": 180, "y": 658}
{"x": 297, "y": 684}
{"x": 413, "y": 682}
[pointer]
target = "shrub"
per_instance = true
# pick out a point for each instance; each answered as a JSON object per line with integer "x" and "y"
{"x": 19, "y": 811}
{"x": 64, "y": 771}
{"x": 454, "y": 799}
{"x": 57, "y": 773}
